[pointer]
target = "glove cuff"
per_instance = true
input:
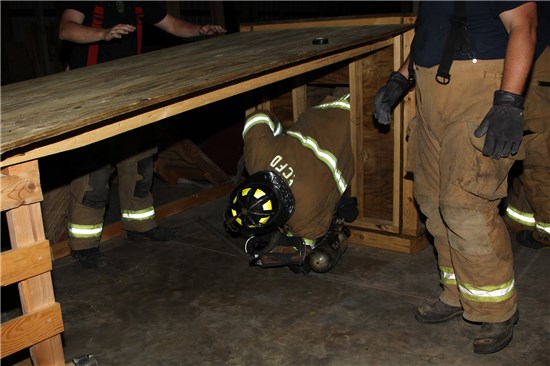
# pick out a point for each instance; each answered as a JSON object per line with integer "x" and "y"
{"x": 402, "y": 81}
{"x": 506, "y": 99}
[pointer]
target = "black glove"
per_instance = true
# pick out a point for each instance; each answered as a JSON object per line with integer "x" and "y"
{"x": 388, "y": 96}
{"x": 503, "y": 125}
{"x": 347, "y": 209}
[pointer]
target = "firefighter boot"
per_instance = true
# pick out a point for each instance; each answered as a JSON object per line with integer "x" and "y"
{"x": 438, "y": 312}
{"x": 156, "y": 234}
{"x": 495, "y": 336}
{"x": 90, "y": 258}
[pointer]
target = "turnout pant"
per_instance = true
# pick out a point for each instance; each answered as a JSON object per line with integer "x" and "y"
{"x": 458, "y": 189}
{"x": 529, "y": 200}
{"x": 90, "y": 192}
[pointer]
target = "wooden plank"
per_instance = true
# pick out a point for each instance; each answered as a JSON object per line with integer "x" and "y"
{"x": 398, "y": 243}
{"x": 356, "y": 127}
{"x": 299, "y": 100}
{"x": 377, "y": 143}
{"x": 411, "y": 221}
{"x": 22, "y": 263}
{"x": 30, "y": 329}
{"x": 398, "y": 132}
{"x": 184, "y": 159}
{"x": 352, "y": 21}
{"x": 20, "y": 185}
{"x": 26, "y": 229}
{"x": 82, "y": 101}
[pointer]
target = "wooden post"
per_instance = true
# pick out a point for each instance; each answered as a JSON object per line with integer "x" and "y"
{"x": 26, "y": 230}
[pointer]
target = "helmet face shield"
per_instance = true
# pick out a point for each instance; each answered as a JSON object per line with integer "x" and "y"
{"x": 260, "y": 204}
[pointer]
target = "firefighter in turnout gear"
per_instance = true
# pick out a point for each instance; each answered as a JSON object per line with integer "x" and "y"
{"x": 293, "y": 206}
{"x": 528, "y": 209}
{"x": 99, "y": 32}
{"x": 470, "y": 62}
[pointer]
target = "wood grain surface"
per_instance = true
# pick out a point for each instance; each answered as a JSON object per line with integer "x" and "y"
{"x": 41, "y": 111}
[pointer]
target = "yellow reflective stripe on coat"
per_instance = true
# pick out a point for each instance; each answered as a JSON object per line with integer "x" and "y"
{"x": 306, "y": 241}
{"x": 487, "y": 293}
{"x": 521, "y": 217}
{"x": 325, "y": 156}
{"x": 85, "y": 231}
{"x": 341, "y": 103}
{"x": 138, "y": 215}
{"x": 447, "y": 275}
{"x": 259, "y": 118}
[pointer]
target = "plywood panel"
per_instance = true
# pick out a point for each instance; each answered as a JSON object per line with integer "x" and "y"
{"x": 85, "y": 97}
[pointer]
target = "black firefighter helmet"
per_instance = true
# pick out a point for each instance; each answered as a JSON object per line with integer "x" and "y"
{"x": 260, "y": 204}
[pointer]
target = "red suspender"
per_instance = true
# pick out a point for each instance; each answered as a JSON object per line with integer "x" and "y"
{"x": 139, "y": 26}
{"x": 97, "y": 22}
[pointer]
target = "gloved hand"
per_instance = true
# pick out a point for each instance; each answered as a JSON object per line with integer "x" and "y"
{"x": 503, "y": 125}
{"x": 388, "y": 95}
{"x": 347, "y": 209}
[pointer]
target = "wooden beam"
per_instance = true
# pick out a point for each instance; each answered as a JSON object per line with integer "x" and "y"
{"x": 398, "y": 243}
{"x": 26, "y": 229}
{"x": 30, "y": 329}
{"x": 22, "y": 263}
{"x": 20, "y": 185}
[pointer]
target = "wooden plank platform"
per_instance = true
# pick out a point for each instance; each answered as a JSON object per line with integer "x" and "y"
{"x": 71, "y": 109}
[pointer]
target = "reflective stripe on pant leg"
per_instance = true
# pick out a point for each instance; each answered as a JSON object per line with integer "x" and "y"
{"x": 536, "y": 166}
{"x": 483, "y": 263}
{"x": 87, "y": 209}
{"x": 135, "y": 175}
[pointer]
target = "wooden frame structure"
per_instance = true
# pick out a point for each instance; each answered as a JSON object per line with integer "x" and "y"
{"x": 68, "y": 110}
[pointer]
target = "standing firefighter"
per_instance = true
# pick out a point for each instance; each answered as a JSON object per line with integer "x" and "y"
{"x": 471, "y": 61}
{"x": 293, "y": 206}
{"x": 100, "y": 32}
{"x": 528, "y": 210}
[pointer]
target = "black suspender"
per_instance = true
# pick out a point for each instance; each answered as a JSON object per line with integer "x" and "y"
{"x": 458, "y": 23}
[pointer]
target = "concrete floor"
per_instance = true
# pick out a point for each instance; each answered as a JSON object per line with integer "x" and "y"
{"x": 195, "y": 301}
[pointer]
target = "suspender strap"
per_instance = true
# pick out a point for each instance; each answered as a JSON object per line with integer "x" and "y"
{"x": 457, "y": 26}
{"x": 139, "y": 27}
{"x": 412, "y": 75}
{"x": 97, "y": 22}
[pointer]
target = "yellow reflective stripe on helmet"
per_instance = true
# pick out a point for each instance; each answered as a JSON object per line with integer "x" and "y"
{"x": 259, "y": 118}
{"x": 258, "y": 193}
{"x": 138, "y": 215}
{"x": 521, "y": 217}
{"x": 85, "y": 231}
{"x": 341, "y": 103}
{"x": 487, "y": 293}
{"x": 447, "y": 275}
{"x": 325, "y": 156}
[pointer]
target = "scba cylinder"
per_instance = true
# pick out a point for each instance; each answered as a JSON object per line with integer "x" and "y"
{"x": 324, "y": 257}
{"x": 321, "y": 260}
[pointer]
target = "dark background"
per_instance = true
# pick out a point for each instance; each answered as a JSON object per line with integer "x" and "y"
{"x": 30, "y": 47}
